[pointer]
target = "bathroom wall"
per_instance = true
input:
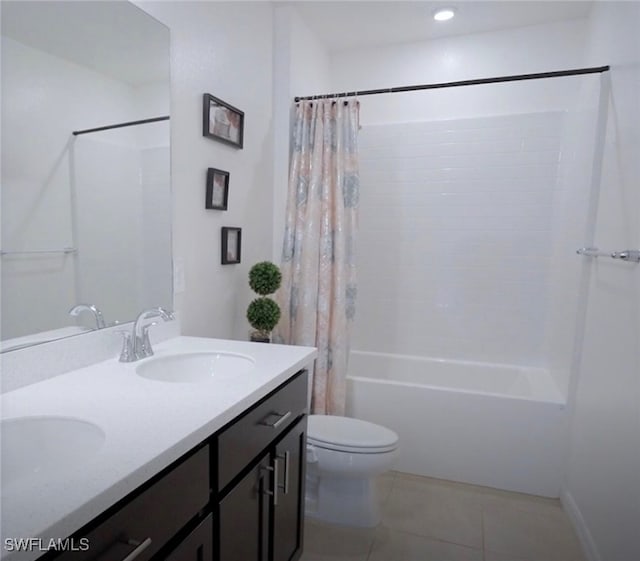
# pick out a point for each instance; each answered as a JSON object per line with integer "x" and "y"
{"x": 497, "y": 291}
{"x": 536, "y": 48}
{"x": 44, "y": 99}
{"x": 301, "y": 67}
{"x": 602, "y": 491}
{"x": 455, "y": 237}
{"x": 225, "y": 49}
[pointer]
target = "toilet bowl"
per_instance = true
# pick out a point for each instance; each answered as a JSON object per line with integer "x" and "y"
{"x": 344, "y": 456}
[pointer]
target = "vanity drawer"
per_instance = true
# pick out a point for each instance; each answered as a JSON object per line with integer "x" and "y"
{"x": 156, "y": 514}
{"x": 243, "y": 441}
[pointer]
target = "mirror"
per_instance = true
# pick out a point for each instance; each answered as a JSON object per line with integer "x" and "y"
{"x": 86, "y": 217}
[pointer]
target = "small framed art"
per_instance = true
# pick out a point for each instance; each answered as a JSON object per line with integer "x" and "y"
{"x": 231, "y": 245}
{"x": 222, "y": 121}
{"x": 217, "y": 189}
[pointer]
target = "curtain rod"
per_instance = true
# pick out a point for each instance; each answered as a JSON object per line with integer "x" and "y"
{"x": 120, "y": 125}
{"x": 494, "y": 80}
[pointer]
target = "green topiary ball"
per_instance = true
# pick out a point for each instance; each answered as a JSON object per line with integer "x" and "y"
{"x": 264, "y": 278}
{"x": 263, "y": 314}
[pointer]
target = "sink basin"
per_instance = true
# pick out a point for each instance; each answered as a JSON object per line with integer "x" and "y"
{"x": 196, "y": 367}
{"x": 33, "y": 445}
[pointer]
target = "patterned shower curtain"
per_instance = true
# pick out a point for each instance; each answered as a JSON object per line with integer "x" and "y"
{"x": 318, "y": 290}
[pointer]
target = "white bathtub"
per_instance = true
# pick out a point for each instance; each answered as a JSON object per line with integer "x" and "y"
{"x": 488, "y": 424}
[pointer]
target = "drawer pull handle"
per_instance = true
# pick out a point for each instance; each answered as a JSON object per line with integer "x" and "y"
{"x": 282, "y": 419}
{"x": 140, "y": 547}
{"x": 286, "y": 457}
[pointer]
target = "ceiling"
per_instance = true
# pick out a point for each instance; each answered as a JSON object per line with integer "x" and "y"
{"x": 114, "y": 38}
{"x": 356, "y": 24}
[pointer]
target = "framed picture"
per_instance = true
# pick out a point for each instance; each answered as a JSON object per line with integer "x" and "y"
{"x": 217, "y": 189}
{"x": 222, "y": 121}
{"x": 231, "y": 245}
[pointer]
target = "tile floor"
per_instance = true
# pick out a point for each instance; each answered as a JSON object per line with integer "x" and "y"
{"x": 428, "y": 519}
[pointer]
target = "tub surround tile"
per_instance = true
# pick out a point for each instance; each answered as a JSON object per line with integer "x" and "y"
{"x": 498, "y": 183}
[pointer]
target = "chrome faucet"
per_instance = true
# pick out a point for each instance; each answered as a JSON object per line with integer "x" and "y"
{"x": 76, "y": 310}
{"x": 136, "y": 344}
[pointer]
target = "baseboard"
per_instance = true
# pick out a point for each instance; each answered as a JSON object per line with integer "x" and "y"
{"x": 584, "y": 535}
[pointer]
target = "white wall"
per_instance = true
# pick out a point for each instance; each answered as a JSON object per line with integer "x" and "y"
{"x": 538, "y": 48}
{"x": 575, "y": 200}
{"x": 301, "y": 67}
{"x": 155, "y": 179}
{"x": 455, "y": 237}
{"x": 225, "y": 49}
{"x": 464, "y": 313}
{"x": 602, "y": 489}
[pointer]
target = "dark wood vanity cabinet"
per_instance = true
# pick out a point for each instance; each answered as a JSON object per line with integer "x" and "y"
{"x": 238, "y": 496}
{"x": 287, "y": 518}
{"x": 261, "y": 508}
{"x": 141, "y": 525}
{"x": 261, "y": 517}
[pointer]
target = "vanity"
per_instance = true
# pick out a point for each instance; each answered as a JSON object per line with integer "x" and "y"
{"x": 194, "y": 454}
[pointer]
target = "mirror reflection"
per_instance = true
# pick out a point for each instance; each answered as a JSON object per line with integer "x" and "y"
{"x": 86, "y": 217}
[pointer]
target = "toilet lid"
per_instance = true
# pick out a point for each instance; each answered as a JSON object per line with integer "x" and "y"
{"x": 345, "y": 433}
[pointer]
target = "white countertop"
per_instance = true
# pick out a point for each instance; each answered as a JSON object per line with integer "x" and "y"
{"x": 148, "y": 424}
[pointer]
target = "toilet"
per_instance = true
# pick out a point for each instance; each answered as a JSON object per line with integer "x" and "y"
{"x": 344, "y": 456}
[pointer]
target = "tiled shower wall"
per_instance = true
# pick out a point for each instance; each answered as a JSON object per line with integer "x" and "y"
{"x": 456, "y": 236}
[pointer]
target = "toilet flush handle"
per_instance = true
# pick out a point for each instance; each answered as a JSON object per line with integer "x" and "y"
{"x": 312, "y": 457}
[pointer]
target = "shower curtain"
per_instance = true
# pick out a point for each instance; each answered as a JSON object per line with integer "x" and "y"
{"x": 318, "y": 291}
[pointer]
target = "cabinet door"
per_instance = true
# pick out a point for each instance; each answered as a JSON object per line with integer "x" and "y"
{"x": 288, "y": 510}
{"x": 197, "y": 546}
{"x": 244, "y": 517}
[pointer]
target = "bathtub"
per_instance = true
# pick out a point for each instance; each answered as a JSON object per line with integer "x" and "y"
{"x": 496, "y": 425}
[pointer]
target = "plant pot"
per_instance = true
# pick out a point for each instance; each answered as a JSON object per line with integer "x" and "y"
{"x": 256, "y": 337}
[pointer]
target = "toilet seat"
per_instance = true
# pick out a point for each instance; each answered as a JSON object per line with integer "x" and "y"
{"x": 344, "y": 434}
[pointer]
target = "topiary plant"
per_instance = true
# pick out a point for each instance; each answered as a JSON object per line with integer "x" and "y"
{"x": 264, "y": 278}
{"x": 263, "y": 313}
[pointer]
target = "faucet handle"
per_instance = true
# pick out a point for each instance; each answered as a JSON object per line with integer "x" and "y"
{"x": 127, "y": 353}
{"x": 166, "y": 314}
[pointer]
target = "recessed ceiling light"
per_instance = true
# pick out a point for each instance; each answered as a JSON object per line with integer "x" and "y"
{"x": 444, "y": 14}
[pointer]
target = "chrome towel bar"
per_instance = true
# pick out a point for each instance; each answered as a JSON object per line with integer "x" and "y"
{"x": 36, "y": 251}
{"x": 630, "y": 255}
